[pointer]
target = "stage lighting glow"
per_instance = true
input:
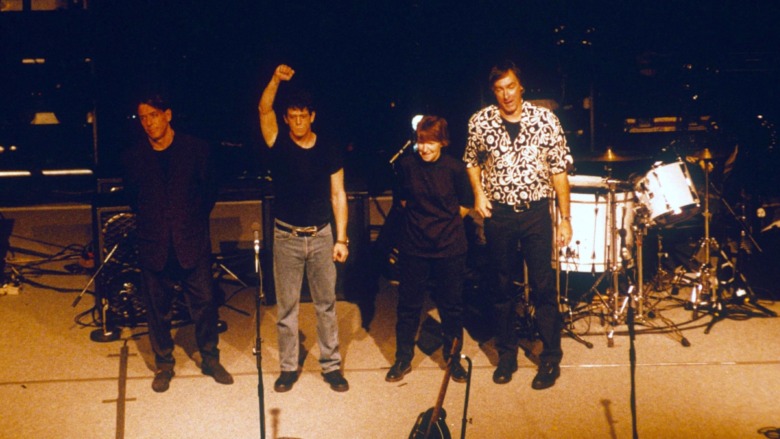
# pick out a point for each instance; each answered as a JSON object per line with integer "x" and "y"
{"x": 415, "y": 120}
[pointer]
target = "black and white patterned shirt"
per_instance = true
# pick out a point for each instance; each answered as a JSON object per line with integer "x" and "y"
{"x": 520, "y": 170}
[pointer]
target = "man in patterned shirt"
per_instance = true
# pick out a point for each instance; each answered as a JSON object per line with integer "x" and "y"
{"x": 516, "y": 158}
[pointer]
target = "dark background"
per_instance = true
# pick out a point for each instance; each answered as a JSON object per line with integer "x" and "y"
{"x": 373, "y": 65}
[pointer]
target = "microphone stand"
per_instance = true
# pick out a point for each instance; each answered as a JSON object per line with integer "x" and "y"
{"x": 94, "y": 276}
{"x": 259, "y": 299}
{"x": 105, "y": 334}
{"x": 400, "y": 151}
{"x": 632, "y": 363}
{"x": 465, "y": 419}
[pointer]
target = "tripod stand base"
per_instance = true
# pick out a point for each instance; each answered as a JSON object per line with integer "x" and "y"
{"x": 577, "y": 338}
{"x": 101, "y": 336}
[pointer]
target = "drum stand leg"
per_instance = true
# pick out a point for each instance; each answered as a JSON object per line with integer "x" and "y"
{"x": 640, "y": 316}
{"x": 568, "y": 320}
{"x": 738, "y": 283}
{"x": 563, "y": 296}
{"x": 742, "y": 291}
{"x": 703, "y": 295}
{"x": 613, "y": 303}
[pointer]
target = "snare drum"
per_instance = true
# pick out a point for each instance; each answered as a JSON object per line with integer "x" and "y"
{"x": 589, "y": 248}
{"x": 668, "y": 194}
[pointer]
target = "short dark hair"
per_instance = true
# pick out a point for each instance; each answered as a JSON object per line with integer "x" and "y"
{"x": 299, "y": 99}
{"x": 433, "y": 129}
{"x": 156, "y": 100}
{"x": 501, "y": 69}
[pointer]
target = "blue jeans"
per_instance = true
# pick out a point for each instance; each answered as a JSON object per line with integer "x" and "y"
{"x": 294, "y": 255}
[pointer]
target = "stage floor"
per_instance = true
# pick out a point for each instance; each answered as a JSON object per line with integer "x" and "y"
{"x": 56, "y": 382}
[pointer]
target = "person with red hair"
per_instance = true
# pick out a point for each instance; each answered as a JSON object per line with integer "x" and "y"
{"x": 434, "y": 192}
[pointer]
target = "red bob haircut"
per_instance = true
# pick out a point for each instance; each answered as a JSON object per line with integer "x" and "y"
{"x": 433, "y": 129}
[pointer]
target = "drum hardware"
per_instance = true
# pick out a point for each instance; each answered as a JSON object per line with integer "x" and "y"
{"x": 643, "y": 312}
{"x": 596, "y": 248}
{"x": 705, "y": 289}
{"x": 722, "y": 271}
{"x": 661, "y": 276}
{"x": 702, "y": 292}
{"x": 625, "y": 292}
{"x": 565, "y": 304}
{"x": 611, "y": 300}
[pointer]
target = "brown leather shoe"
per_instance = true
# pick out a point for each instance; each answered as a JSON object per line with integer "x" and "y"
{"x": 215, "y": 370}
{"x": 162, "y": 380}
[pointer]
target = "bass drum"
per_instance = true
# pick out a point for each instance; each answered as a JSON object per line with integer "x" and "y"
{"x": 590, "y": 245}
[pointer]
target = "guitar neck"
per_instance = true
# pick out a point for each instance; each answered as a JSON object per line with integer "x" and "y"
{"x": 442, "y": 392}
{"x": 443, "y": 389}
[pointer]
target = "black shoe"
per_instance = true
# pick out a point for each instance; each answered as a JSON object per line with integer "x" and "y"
{"x": 548, "y": 373}
{"x": 214, "y": 369}
{"x": 398, "y": 370}
{"x": 285, "y": 381}
{"x": 162, "y": 380}
{"x": 336, "y": 381}
{"x": 506, "y": 367}
{"x": 458, "y": 373}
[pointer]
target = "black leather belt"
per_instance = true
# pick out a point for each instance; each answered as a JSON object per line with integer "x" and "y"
{"x": 301, "y": 231}
{"x": 521, "y": 207}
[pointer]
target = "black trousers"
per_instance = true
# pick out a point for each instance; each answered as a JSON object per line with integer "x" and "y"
{"x": 533, "y": 230}
{"x": 446, "y": 275}
{"x": 198, "y": 292}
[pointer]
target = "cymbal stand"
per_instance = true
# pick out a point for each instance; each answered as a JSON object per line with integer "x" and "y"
{"x": 741, "y": 287}
{"x": 703, "y": 295}
{"x": 639, "y": 298}
{"x": 661, "y": 275}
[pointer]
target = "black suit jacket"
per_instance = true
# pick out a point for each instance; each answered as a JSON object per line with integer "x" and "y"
{"x": 174, "y": 209}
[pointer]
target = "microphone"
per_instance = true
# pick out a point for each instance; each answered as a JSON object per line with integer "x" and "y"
{"x": 402, "y": 150}
{"x": 256, "y": 233}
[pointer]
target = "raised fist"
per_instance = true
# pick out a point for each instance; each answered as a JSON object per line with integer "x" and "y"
{"x": 284, "y": 72}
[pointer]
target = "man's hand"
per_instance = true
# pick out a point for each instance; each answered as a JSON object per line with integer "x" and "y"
{"x": 340, "y": 252}
{"x": 483, "y": 206}
{"x": 284, "y": 72}
{"x": 564, "y": 233}
{"x": 268, "y": 124}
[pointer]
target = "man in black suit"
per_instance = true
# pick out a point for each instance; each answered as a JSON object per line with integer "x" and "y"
{"x": 171, "y": 187}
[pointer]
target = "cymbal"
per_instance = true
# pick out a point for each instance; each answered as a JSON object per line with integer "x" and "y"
{"x": 610, "y": 156}
{"x": 704, "y": 154}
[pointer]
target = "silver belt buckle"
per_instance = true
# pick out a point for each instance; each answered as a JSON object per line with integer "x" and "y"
{"x": 521, "y": 207}
{"x": 306, "y": 231}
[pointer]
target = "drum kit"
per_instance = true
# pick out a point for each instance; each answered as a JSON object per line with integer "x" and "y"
{"x": 610, "y": 219}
